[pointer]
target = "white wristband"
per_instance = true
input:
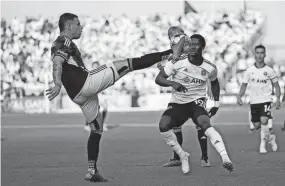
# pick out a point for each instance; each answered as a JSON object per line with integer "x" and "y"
{"x": 217, "y": 104}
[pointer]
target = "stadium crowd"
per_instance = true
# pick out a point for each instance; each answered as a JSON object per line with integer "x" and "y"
{"x": 25, "y": 47}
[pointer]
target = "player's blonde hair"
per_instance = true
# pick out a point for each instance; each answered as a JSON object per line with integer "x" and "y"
{"x": 174, "y": 29}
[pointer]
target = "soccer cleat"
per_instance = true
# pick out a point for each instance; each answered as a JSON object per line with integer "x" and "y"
{"x": 273, "y": 143}
{"x": 185, "y": 164}
{"x": 205, "y": 162}
{"x": 229, "y": 166}
{"x": 94, "y": 176}
{"x": 172, "y": 163}
{"x": 262, "y": 149}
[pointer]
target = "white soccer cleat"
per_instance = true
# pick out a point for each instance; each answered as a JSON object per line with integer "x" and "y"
{"x": 273, "y": 143}
{"x": 262, "y": 149}
{"x": 185, "y": 165}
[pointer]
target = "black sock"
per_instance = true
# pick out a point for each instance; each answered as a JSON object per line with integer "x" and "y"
{"x": 93, "y": 150}
{"x": 148, "y": 60}
{"x": 203, "y": 143}
{"x": 178, "y": 132}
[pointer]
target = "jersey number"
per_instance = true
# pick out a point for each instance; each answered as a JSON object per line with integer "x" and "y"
{"x": 200, "y": 103}
{"x": 267, "y": 108}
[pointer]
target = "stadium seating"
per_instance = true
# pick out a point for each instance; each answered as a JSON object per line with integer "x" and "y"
{"x": 25, "y": 47}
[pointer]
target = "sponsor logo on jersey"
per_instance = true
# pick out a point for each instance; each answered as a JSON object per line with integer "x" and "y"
{"x": 265, "y": 73}
{"x": 186, "y": 80}
{"x": 197, "y": 81}
{"x": 203, "y": 72}
{"x": 261, "y": 81}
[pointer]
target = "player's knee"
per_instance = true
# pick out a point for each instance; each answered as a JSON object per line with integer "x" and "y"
{"x": 122, "y": 67}
{"x": 96, "y": 127}
{"x": 264, "y": 120}
{"x": 165, "y": 124}
{"x": 204, "y": 122}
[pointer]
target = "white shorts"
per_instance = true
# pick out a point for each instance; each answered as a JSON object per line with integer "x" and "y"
{"x": 98, "y": 80}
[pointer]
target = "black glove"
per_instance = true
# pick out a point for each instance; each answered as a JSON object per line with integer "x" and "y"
{"x": 213, "y": 111}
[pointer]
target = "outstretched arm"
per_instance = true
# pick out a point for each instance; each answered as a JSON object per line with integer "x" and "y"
{"x": 162, "y": 80}
{"x": 283, "y": 99}
{"x": 215, "y": 87}
{"x": 241, "y": 93}
{"x": 278, "y": 94}
{"x": 57, "y": 71}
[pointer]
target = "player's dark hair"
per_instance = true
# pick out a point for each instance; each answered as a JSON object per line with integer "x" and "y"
{"x": 200, "y": 38}
{"x": 260, "y": 46}
{"x": 63, "y": 18}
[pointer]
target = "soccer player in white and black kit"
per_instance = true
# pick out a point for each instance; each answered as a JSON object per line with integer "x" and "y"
{"x": 270, "y": 120}
{"x": 260, "y": 79}
{"x": 83, "y": 86}
{"x": 189, "y": 81}
{"x": 174, "y": 34}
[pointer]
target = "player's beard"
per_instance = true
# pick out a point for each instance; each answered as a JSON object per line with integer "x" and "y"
{"x": 77, "y": 36}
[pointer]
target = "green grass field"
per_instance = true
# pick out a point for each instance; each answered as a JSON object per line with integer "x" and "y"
{"x": 50, "y": 150}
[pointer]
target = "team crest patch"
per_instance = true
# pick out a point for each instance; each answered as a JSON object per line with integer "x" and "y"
{"x": 265, "y": 73}
{"x": 186, "y": 80}
{"x": 203, "y": 72}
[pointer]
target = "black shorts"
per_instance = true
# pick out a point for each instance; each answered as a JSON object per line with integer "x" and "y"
{"x": 180, "y": 113}
{"x": 260, "y": 109}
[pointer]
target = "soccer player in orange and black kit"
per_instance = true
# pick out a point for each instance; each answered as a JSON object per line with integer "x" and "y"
{"x": 83, "y": 86}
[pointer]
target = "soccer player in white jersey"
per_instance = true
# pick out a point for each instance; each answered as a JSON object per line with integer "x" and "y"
{"x": 260, "y": 79}
{"x": 189, "y": 82}
{"x": 270, "y": 122}
{"x": 83, "y": 86}
{"x": 174, "y": 34}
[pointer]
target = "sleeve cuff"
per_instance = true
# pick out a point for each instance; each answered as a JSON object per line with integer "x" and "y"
{"x": 60, "y": 55}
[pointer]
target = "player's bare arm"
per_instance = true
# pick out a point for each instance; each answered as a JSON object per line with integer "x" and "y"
{"x": 241, "y": 93}
{"x": 215, "y": 87}
{"x": 283, "y": 99}
{"x": 57, "y": 71}
{"x": 162, "y": 80}
{"x": 278, "y": 94}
